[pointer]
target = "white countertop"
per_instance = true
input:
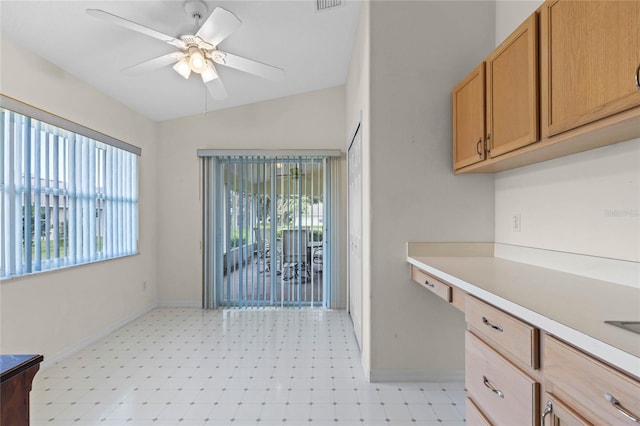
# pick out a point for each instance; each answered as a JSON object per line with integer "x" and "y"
{"x": 571, "y": 307}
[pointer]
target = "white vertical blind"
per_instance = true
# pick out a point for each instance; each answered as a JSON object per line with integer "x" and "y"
{"x": 264, "y": 218}
{"x": 65, "y": 198}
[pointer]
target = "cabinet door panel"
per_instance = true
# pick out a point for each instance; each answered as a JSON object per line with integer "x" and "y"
{"x": 561, "y": 415}
{"x": 590, "y": 51}
{"x": 512, "y": 91}
{"x": 468, "y": 119}
{"x": 584, "y": 382}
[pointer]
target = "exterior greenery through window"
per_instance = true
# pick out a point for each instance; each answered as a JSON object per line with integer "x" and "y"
{"x": 65, "y": 198}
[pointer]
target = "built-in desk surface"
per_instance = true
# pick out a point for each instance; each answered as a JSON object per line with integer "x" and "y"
{"x": 570, "y": 306}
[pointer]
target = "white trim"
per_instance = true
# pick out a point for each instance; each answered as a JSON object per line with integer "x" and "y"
{"x": 439, "y": 376}
{"x": 55, "y": 120}
{"x": 52, "y": 360}
{"x": 270, "y": 153}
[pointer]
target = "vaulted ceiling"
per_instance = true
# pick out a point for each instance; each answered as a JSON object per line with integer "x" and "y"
{"x": 312, "y": 47}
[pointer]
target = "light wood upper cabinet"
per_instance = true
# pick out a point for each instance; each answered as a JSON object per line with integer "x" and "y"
{"x": 566, "y": 81}
{"x": 512, "y": 91}
{"x": 469, "y": 119}
{"x": 590, "y": 54}
{"x": 495, "y": 109}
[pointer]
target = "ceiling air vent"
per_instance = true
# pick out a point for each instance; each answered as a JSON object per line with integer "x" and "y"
{"x": 327, "y": 4}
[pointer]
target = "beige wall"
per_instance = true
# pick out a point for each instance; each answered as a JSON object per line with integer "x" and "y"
{"x": 585, "y": 204}
{"x": 510, "y": 14}
{"x": 53, "y": 313}
{"x": 418, "y": 52}
{"x": 309, "y": 121}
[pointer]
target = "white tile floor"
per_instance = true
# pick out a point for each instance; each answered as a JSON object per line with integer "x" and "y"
{"x": 233, "y": 367}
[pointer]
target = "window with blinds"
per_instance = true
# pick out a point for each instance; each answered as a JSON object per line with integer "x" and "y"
{"x": 65, "y": 198}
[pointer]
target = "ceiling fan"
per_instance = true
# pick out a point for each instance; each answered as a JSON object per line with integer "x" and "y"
{"x": 197, "y": 52}
{"x": 292, "y": 170}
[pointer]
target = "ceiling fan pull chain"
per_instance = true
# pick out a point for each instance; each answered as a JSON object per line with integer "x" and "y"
{"x": 206, "y": 106}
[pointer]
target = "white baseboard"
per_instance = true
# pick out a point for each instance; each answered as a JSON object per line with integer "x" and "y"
{"x": 51, "y": 360}
{"x": 439, "y": 376}
{"x": 180, "y": 303}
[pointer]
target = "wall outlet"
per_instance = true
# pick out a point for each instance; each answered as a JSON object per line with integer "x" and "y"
{"x": 516, "y": 223}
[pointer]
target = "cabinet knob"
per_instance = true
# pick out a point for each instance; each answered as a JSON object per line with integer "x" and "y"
{"x": 478, "y": 145}
{"x": 427, "y": 283}
{"x": 638, "y": 77}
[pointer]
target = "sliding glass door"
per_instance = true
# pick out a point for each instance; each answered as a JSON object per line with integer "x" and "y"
{"x": 265, "y": 226}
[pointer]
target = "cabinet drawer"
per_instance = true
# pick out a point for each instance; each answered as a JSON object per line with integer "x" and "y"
{"x": 508, "y": 333}
{"x": 473, "y": 415}
{"x": 432, "y": 284}
{"x": 506, "y": 394}
{"x": 583, "y": 382}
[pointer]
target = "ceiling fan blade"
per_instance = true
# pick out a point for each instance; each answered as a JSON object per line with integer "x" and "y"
{"x": 248, "y": 65}
{"x": 155, "y": 63}
{"x": 101, "y": 14}
{"x": 216, "y": 89}
{"x": 218, "y": 26}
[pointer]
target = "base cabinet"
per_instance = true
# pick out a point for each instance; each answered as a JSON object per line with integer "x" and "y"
{"x": 586, "y": 388}
{"x": 473, "y": 415}
{"x": 505, "y": 394}
{"x": 519, "y": 374}
{"x": 556, "y": 413}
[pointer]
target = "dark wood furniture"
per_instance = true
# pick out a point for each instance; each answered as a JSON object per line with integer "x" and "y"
{"x": 16, "y": 376}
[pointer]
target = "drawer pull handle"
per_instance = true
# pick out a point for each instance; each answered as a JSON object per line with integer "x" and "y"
{"x": 486, "y": 322}
{"x": 486, "y": 382}
{"x": 547, "y": 410}
{"x": 427, "y": 283}
{"x": 620, "y": 408}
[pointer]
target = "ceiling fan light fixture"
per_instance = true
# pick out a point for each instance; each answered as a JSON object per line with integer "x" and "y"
{"x": 197, "y": 62}
{"x": 182, "y": 67}
{"x": 209, "y": 73}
